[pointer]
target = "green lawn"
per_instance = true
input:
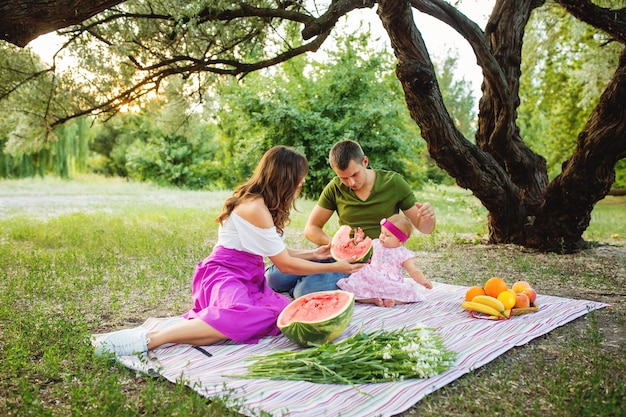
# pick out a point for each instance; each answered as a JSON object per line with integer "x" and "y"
{"x": 95, "y": 255}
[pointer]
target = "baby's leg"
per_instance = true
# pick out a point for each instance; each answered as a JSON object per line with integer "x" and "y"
{"x": 388, "y": 302}
{"x": 378, "y": 301}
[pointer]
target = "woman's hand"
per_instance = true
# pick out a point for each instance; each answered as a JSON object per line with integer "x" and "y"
{"x": 346, "y": 267}
{"x": 322, "y": 252}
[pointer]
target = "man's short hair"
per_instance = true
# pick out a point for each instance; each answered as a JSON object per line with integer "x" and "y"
{"x": 343, "y": 152}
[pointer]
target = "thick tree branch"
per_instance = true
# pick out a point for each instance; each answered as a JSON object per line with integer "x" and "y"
{"x": 473, "y": 34}
{"x": 471, "y": 167}
{"x": 497, "y": 130}
{"x": 337, "y": 9}
{"x": 22, "y": 21}
{"x": 211, "y": 15}
{"x": 613, "y": 22}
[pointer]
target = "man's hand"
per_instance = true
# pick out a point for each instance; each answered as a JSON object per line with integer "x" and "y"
{"x": 426, "y": 216}
{"x": 425, "y": 210}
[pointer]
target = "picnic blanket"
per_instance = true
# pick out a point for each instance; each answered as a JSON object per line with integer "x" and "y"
{"x": 475, "y": 341}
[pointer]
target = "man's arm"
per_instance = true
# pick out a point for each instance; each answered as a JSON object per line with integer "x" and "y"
{"x": 314, "y": 229}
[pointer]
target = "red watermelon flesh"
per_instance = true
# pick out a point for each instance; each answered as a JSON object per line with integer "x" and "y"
{"x": 351, "y": 247}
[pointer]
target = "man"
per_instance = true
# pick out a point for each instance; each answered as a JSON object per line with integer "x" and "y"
{"x": 362, "y": 197}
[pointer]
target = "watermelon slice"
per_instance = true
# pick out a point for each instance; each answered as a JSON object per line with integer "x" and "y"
{"x": 355, "y": 248}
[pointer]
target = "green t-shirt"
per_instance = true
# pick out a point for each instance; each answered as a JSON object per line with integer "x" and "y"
{"x": 390, "y": 194}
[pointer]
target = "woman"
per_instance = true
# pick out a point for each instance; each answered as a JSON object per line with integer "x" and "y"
{"x": 231, "y": 298}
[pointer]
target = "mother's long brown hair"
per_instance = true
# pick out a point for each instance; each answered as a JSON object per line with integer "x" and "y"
{"x": 276, "y": 179}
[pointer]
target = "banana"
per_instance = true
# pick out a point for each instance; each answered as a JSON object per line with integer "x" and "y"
{"x": 489, "y": 301}
{"x": 481, "y": 308}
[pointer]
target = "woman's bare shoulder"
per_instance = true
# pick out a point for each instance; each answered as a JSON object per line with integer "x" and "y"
{"x": 255, "y": 212}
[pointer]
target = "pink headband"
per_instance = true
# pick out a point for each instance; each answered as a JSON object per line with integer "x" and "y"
{"x": 402, "y": 237}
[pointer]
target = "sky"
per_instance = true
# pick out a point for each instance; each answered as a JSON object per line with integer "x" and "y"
{"x": 440, "y": 38}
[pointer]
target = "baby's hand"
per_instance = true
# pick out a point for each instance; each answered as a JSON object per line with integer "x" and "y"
{"x": 427, "y": 284}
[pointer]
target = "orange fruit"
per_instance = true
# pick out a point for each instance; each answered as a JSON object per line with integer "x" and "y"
{"x": 494, "y": 286}
{"x": 473, "y": 292}
{"x": 507, "y": 298}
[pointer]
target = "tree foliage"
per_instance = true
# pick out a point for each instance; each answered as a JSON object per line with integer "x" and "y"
{"x": 312, "y": 105}
{"x": 301, "y": 103}
{"x": 567, "y": 65}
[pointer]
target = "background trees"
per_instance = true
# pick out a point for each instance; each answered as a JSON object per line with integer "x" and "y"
{"x": 567, "y": 65}
{"x": 302, "y": 103}
{"x": 310, "y": 105}
{"x": 145, "y": 42}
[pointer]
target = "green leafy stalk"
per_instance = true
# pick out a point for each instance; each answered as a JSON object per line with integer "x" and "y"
{"x": 379, "y": 356}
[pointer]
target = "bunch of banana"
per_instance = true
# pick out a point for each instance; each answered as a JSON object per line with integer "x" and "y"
{"x": 488, "y": 305}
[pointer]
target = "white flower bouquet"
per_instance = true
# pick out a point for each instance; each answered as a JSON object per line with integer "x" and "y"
{"x": 380, "y": 356}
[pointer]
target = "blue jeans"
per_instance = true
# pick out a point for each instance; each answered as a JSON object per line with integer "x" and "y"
{"x": 298, "y": 285}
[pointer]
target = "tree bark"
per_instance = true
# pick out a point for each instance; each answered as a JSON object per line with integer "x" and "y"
{"x": 491, "y": 167}
{"x": 21, "y": 21}
{"x": 497, "y": 131}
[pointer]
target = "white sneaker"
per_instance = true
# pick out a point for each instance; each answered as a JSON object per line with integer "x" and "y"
{"x": 124, "y": 342}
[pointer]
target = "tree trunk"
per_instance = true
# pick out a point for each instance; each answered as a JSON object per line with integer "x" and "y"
{"x": 21, "y": 21}
{"x": 488, "y": 167}
{"x": 507, "y": 177}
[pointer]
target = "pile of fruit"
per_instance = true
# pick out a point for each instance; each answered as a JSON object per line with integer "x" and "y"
{"x": 496, "y": 300}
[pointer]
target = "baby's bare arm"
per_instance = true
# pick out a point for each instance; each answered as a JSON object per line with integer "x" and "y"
{"x": 416, "y": 273}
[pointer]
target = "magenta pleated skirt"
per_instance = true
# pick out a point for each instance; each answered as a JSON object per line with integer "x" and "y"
{"x": 230, "y": 294}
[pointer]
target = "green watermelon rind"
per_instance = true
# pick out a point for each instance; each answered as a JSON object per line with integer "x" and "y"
{"x": 310, "y": 333}
{"x": 365, "y": 258}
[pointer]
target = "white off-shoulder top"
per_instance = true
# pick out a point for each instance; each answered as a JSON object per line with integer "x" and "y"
{"x": 237, "y": 233}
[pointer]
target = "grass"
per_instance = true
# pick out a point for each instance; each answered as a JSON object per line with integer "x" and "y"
{"x": 94, "y": 255}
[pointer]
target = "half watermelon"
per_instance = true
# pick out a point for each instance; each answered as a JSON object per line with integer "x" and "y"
{"x": 317, "y": 318}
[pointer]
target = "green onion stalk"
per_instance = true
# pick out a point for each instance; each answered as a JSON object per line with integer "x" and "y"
{"x": 379, "y": 356}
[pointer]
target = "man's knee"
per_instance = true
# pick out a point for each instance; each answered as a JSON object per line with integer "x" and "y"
{"x": 278, "y": 281}
{"x": 314, "y": 283}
